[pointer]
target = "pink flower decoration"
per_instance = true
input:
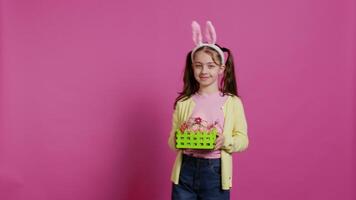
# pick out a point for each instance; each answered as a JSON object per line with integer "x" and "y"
{"x": 198, "y": 120}
{"x": 195, "y": 128}
{"x": 210, "y": 126}
{"x": 183, "y": 127}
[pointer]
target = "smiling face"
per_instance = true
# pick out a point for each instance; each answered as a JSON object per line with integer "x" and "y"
{"x": 206, "y": 69}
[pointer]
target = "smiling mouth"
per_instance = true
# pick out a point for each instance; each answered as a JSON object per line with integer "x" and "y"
{"x": 203, "y": 78}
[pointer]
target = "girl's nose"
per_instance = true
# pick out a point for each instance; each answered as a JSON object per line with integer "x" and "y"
{"x": 205, "y": 69}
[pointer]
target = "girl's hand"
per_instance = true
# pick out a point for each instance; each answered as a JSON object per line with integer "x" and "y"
{"x": 219, "y": 141}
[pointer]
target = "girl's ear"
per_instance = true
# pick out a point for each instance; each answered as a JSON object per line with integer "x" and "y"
{"x": 222, "y": 69}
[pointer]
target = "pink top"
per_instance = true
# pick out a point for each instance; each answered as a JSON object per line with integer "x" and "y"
{"x": 209, "y": 107}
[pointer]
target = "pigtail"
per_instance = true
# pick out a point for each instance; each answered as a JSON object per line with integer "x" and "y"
{"x": 228, "y": 82}
{"x": 190, "y": 84}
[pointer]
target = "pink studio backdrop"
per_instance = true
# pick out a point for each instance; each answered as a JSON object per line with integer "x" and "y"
{"x": 87, "y": 89}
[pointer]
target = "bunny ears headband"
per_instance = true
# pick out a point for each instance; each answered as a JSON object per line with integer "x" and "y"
{"x": 210, "y": 35}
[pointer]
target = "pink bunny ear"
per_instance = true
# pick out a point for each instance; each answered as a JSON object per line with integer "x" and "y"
{"x": 210, "y": 33}
{"x": 197, "y": 36}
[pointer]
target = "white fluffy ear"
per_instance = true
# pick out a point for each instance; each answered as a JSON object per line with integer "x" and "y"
{"x": 210, "y": 33}
{"x": 197, "y": 36}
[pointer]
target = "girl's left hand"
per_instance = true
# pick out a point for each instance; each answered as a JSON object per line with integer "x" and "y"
{"x": 219, "y": 141}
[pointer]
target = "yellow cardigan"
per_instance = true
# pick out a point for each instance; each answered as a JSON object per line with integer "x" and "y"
{"x": 235, "y": 133}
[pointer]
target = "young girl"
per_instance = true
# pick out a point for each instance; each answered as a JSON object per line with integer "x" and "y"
{"x": 209, "y": 98}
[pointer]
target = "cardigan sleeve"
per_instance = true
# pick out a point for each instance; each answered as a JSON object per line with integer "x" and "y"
{"x": 239, "y": 138}
{"x": 175, "y": 124}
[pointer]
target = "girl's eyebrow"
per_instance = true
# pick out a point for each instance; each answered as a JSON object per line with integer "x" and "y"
{"x": 206, "y": 63}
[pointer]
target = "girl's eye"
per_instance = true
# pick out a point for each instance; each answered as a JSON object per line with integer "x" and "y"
{"x": 211, "y": 66}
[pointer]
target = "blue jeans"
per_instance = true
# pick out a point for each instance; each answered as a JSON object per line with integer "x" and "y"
{"x": 199, "y": 179}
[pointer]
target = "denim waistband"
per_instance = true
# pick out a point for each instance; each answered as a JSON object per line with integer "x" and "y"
{"x": 201, "y": 161}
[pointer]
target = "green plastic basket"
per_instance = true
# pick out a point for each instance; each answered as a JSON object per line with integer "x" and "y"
{"x": 195, "y": 140}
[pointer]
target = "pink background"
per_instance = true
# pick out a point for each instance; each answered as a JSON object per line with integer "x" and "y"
{"x": 87, "y": 89}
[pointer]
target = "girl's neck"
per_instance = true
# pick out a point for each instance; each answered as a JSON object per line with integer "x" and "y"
{"x": 212, "y": 89}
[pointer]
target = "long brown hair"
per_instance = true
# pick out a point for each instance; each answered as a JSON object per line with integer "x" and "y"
{"x": 228, "y": 81}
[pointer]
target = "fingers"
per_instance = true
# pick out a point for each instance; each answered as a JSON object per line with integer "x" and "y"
{"x": 219, "y": 141}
